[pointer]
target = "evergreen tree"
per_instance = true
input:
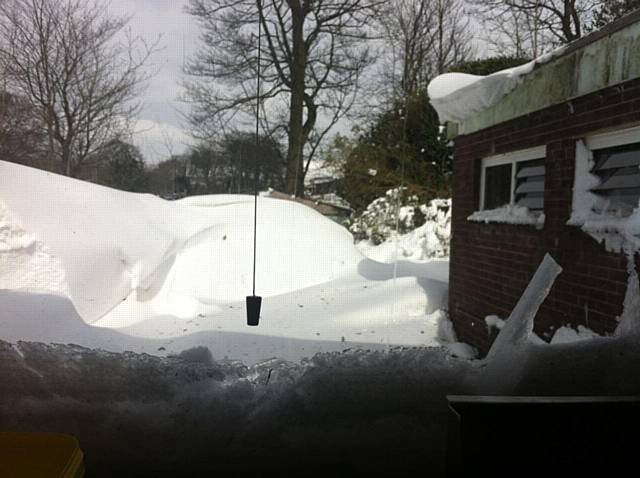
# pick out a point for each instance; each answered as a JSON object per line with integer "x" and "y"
{"x": 120, "y": 165}
{"x": 403, "y": 145}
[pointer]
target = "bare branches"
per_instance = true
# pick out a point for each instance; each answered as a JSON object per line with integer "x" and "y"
{"x": 73, "y": 63}
{"x": 422, "y": 38}
{"x": 314, "y": 51}
{"x": 528, "y": 27}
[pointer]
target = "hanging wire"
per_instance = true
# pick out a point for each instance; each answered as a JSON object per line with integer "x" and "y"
{"x": 255, "y": 177}
{"x": 405, "y": 112}
{"x": 402, "y": 167}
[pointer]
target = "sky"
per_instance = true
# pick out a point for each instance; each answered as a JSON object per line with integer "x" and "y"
{"x": 160, "y": 128}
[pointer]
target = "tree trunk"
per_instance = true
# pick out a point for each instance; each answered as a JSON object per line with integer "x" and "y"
{"x": 296, "y": 109}
{"x": 66, "y": 160}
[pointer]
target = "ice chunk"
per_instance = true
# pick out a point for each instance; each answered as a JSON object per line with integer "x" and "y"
{"x": 519, "y": 326}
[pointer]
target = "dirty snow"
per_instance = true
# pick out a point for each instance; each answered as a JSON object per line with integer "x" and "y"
{"x": 456, "y": 96}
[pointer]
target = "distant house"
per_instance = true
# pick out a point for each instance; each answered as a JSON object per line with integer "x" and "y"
{"x": 546, "y": 159}
{"x": 335, "y": 210}
{"x": 319, "y": 185}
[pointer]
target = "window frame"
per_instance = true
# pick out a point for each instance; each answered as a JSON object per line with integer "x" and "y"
{"x": 513, "y": 158}
{"x": 610, "y": 139}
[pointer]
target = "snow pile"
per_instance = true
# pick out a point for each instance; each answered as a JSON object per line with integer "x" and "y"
{"x": 509, "y": 214}
{"x": 567, "y": 335}
{"x": 591, "y": 212}
{"x": 181, "y": 258}
{"x": 448, "y": 339}
{"x": 457, "y": 96}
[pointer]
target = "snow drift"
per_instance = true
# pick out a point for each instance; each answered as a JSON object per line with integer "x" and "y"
{"x": 102, "y": 247}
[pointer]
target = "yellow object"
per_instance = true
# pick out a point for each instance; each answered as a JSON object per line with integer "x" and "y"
{"x": 40, "y": 455}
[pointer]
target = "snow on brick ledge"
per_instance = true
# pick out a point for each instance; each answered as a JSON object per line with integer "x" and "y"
{"x": 509, "y": 214}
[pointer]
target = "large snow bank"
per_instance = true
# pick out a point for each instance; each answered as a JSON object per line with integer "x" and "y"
{"x": 99, "y": 246}
{"x": 180, "y": 258}
{"x": 456, "y": 96}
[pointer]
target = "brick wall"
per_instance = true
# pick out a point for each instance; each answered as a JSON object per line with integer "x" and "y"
{"x": 491, "y": 264}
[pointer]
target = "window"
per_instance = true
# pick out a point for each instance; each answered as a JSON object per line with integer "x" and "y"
{"x": 497, "y": 190}
{"x": 616, "y": 159}
{"x": 530, "y": 184}
{"x": 514, "y": 179}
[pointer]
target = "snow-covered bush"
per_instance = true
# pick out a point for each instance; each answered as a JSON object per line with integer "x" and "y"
{"x": 378, "y": 221}
{"x": 424, "y": 229}
{"x": 435, "y": 234}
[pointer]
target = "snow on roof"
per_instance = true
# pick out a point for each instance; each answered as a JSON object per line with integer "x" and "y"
{"x": 588, "y": 64}
{"x": 456, "y": 96}
{"x": 319, "y": 169}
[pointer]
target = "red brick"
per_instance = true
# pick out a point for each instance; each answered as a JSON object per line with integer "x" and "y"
{"x": 491, "y": 264}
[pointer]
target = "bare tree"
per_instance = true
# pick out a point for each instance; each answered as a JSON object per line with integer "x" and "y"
{"x": 423, "y": 38}
{"x": 74, "y": 63}
{"x": 536, "y": 24}
{"x": 314, "y": 54}
{"x": 510, "y": 31}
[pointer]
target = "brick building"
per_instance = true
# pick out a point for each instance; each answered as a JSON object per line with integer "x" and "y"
{"x": 531, "y": 143}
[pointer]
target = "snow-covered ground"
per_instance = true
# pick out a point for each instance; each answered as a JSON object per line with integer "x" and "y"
{"x": 106, "y": 269}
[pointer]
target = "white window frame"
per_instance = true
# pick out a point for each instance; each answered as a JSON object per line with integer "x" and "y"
{"x": 611, "y": 139}
{"x": 539, "y": 152}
